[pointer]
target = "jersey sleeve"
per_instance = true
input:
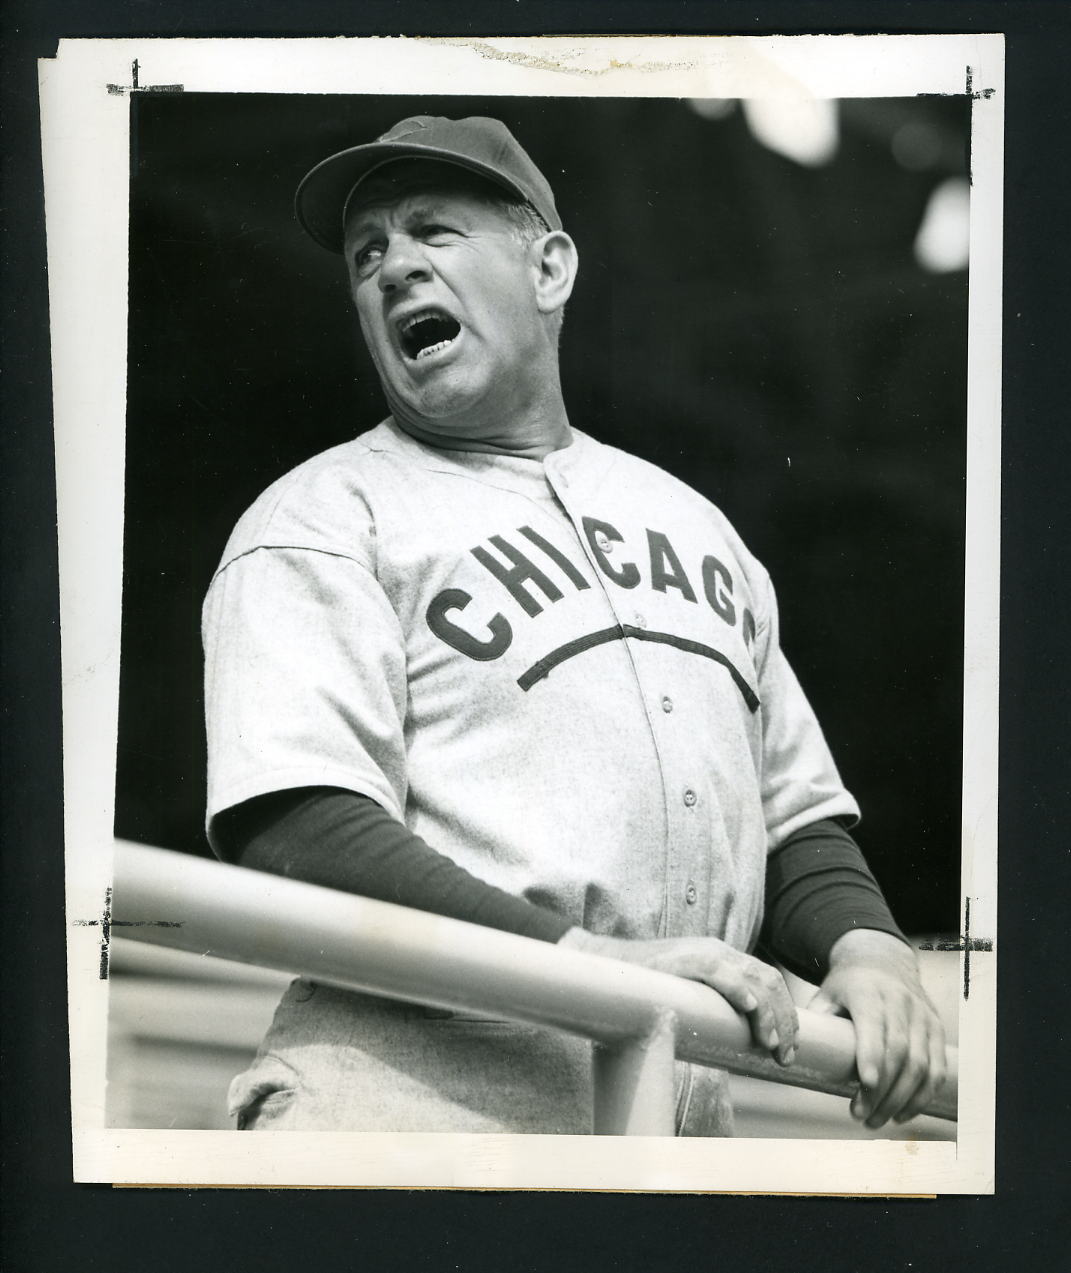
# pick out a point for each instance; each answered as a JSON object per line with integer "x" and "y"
{"x": 800, "y": 782}
{"x": 304, "y": 680}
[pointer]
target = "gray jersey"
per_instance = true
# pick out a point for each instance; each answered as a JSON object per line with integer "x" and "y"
{"x": 563, "y": 674}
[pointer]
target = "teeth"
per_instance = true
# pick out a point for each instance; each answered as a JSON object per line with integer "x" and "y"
{"x": 434, "y": 349}
{"x": 413, "y": 319}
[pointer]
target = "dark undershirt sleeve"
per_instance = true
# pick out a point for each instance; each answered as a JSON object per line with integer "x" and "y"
{"x": 818, "y": 884}
{"x": 819, "y": 887}
{"x": 342, "y": 840}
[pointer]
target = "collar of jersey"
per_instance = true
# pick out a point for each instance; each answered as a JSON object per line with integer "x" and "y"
{"x": 535, "y": 478}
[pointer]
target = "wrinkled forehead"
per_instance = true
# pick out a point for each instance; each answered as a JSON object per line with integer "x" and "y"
{"x": 401, "y": 179}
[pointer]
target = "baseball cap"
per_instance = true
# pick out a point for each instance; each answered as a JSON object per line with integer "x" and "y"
{"x": 482, "y": 145}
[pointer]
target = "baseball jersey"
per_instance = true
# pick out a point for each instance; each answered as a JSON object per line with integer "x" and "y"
{"x": 564, "y": 674}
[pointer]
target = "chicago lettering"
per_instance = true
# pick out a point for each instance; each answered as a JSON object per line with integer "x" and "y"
{"x": 534, "y": 584}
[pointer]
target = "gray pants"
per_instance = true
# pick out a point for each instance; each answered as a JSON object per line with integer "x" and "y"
{"x": 336, "y": 1061}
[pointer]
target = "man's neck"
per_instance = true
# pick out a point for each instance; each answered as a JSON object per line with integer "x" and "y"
{"x": 532, "y": 438}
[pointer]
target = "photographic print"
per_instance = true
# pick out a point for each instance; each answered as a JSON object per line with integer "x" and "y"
{"x": 529, "y": 609}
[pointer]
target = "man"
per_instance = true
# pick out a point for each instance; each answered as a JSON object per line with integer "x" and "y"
{"x": 478, "y": 663}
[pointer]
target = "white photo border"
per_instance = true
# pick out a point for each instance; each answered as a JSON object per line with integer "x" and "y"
{"x": 85, "y": 137}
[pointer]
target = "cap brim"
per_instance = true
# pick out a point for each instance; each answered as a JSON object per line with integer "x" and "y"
{"x": 321, "y": 197}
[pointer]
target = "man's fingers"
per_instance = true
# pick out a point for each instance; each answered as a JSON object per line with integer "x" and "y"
{"x": 899, "y": 1041}
{"x": 935, "y": 1075}
{"x": 870, "y": 1052}
{"x": 914, "y": 1065}
{"x": 918, "y": 1101}
{"x": 776, "y": 1024}
{"x": 902, "y": 1089}
{"x": 908, "y": 1078}
{"x": 938, "y": 1059}
{"x": 731, "y": 984}
{"x": 764, "y": 1026}
{"x": 752, "y": 987}
{"x": 788, "y": 1027}
{"x": 760, "y": 993}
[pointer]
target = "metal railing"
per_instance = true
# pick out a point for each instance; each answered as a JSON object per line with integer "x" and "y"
{"x": 638, "y": 1020}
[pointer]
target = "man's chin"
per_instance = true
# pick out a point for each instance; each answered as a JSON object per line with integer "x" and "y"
{"x": 446, "y": 411}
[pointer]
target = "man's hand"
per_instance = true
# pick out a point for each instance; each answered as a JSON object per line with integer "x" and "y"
{"x": 752, "y": 987}
{"x": 899, "y": 1040}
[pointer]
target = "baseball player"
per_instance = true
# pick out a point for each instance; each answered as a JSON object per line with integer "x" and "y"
{"x": 478, "y": 663}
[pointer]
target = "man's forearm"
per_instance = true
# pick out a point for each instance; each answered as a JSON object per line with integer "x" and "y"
{"x": 818, "y": 888}
{"x": 345, "y": 841}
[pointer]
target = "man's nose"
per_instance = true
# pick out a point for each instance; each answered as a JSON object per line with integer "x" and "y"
{"x": 403, "y": 262}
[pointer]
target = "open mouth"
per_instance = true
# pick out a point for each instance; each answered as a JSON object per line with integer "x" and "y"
{"x": 427, "y": 333}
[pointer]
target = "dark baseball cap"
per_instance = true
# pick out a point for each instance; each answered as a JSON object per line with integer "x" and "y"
{"x": 484, "y": 146}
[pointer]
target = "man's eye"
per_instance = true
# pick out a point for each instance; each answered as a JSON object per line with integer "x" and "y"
{"x": 436, "y": 231}
{"x": 364, "y": 258}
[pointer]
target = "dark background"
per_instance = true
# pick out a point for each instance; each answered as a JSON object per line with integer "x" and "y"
{"x": 51, "y": 1225}
{"x": 758, "y": 327}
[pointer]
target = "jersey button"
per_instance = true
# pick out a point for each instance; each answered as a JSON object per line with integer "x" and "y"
{"x": 689, "y": 797}
{"x": 603, "y": 542}
{"x": 641, "y": 621}
{"x": 667, "y": 704}
{"x": 691, "y": 895}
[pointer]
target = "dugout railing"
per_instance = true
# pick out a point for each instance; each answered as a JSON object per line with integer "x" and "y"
{"x": 638, "y": 1020}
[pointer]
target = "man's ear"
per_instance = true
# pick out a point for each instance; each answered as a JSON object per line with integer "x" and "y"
{"x": 554, "y": 261}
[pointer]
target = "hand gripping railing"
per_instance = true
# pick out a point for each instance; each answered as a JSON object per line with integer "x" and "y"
{"x": 639, "y": 1020}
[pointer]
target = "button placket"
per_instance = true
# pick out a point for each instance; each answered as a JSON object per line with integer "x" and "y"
{"x": 681, "y": 829}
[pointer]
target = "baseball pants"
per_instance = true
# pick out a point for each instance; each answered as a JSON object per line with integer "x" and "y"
{"x": 337, "y": 1061}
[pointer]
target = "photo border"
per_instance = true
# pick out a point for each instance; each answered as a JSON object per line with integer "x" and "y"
{"x": 85, "y": 97}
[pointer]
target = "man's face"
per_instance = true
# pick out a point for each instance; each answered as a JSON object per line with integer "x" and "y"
{"x": 445, "y": 293}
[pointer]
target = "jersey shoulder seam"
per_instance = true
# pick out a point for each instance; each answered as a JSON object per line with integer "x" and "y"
{"x": 305, "y": 548}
